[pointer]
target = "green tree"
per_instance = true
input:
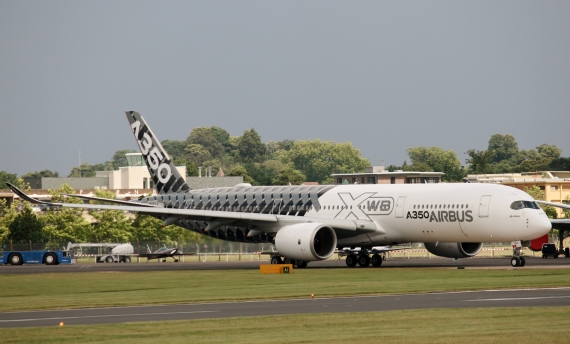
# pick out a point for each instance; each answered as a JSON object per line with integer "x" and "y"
{"x": 26, "y": 227}
{"x": 191, "y": 169}
{"x": 241, "y": 171}
{"x": 289, "y": 175}
{"x": 148, "y": 228}
{"x": 222, "y": 136}
{"x": 250, "y": 147}
{"x": 65, "y": 224}
{"x": 260, "y": 174}
{"x": 7, "y": 215}
{"x": 560, "y": 164}
{"x": 119, "y": 158}
{"x": 174, "y": 148}
{"x": 205, "y": 137}
{"x": 41, "y": 174}
{"x": 503, "y": 146}
{"x": 480, "y": 161}
{"x": 7, "y": 177}
{"x": 197, "y": 154}
{"x": 88, "y": 170}
{"x": 437, "y": 160}
{"x": 317, "y": 159}
{"x": 110, "y": 225}
{"x": 549, "y": 151}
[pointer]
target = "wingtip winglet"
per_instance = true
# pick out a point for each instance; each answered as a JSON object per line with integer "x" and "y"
{"x": 21, "y": 194}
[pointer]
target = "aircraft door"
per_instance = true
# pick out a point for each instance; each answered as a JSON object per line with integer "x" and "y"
{"x": 484, "y": 206}
{"x": 400, "y": 206}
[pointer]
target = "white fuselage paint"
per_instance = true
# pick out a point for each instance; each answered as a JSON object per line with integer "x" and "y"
{"x": 449, "y": 213}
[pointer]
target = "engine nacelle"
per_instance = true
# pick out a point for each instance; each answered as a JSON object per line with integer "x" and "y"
{"x": 306, "y": 241}
{"x": 454, "y": 249}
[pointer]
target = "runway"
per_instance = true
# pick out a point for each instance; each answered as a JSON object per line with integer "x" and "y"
{"x": 117, "y": 315}
{"x": 482, "y": 263}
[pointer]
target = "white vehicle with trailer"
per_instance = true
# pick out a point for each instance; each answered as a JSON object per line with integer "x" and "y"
{"x": 120, "y": 253}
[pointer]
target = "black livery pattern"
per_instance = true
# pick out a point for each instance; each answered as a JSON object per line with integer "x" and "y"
{"x": 282, "y": 200}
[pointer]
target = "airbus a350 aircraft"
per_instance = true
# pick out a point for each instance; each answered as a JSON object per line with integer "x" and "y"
{"x": 307, "y": 223}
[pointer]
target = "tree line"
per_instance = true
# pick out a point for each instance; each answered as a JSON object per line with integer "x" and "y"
{"x": 19, "y": 223}
{"x": 295, "y": 161}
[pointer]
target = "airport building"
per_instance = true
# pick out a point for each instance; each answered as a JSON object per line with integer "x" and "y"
{"x": 131, "y": 181}
{"x": 379, "y": 175}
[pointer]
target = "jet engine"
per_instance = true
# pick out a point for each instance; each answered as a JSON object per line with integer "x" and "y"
{"x": 454, "y": 249}
{"x": 306, "y": 241}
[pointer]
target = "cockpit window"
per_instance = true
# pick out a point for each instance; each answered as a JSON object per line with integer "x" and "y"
{"x": 517, "y": 205}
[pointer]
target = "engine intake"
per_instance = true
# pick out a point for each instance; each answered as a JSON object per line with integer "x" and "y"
{"x": 454, "y": 249}
{"x": 306, "y": 241}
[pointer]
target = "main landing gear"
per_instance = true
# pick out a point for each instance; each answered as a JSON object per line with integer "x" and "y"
{"x": 363, "y": 260}
{"x": 517, "y": 260}
{"x": 301, "y": 264}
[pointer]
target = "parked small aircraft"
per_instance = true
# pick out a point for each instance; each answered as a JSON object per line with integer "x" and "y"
{"x": 163, "y": 253}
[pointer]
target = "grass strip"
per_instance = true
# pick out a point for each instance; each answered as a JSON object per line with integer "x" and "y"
{"x": 477, "y": 325}
{"x": 98, "y": 289}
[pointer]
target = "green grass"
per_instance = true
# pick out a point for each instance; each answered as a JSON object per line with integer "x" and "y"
{"x": 97, "y": 289}
{"x": 479, "y": 325}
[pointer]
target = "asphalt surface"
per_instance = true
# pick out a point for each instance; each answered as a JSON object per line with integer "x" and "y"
{"x": 484, "y": 263}
{"x": 117, "y": 315}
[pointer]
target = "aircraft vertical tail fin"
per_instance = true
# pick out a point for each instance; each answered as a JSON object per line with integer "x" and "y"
{"x": 162, "y": 171}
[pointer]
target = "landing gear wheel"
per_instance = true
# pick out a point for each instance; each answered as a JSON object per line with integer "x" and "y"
{"x": 288, "y": 261}
{"x": 376, "y": 260}
{"x": 127, "y": 259}
{"x": 522, "y": 261}
{"x": 175, "y": 260}
{"x": 16, "y": 259}
{"x": 351, "y": 260}
{"x": 515, "y": 261}
{"x": 50, "y": 259}
{"x": 363, "y": 260}
{"x": 301, "y": 264}
{"x": 109, "y": 259}
{"x": 275, "y": 260}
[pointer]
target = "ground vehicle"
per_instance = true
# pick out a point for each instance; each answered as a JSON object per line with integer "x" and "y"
{"x": 35, "y": 257}
{"x": 549, "y": 250}
{"x": 120, "y": 253}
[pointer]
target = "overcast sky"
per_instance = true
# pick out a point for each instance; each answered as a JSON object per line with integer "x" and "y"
{"x": 384, "y": 75}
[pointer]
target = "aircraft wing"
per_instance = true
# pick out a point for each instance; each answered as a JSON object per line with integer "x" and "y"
{"x": 215, "y": 218}
{"x": 109, "y": 200}
{"x": 558, "y": 205}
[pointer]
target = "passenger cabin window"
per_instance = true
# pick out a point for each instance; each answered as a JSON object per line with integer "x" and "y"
{"x": 517, "y": 205}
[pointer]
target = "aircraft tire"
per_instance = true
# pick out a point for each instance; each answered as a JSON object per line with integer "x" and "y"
{"x": 351, "y": 260}
{"x": 50, "y": 259}
{"x": 363, "y": 260}
{"x": 515, "y": 262}
{"x": 288, "y": 261}
{"x": 522, "y": 261}
{"x": 275, "y": 260}
{"x": 376, "y": 260}
{"x": 301, "y": 264}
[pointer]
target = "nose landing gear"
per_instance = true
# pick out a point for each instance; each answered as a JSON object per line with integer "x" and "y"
{"x": 517, "y": 260}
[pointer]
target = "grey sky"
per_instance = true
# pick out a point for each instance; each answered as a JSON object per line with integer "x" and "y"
{"x": 385, "y": 75}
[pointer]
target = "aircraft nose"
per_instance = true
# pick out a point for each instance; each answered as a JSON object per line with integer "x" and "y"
{"x": 544, "y": 225}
